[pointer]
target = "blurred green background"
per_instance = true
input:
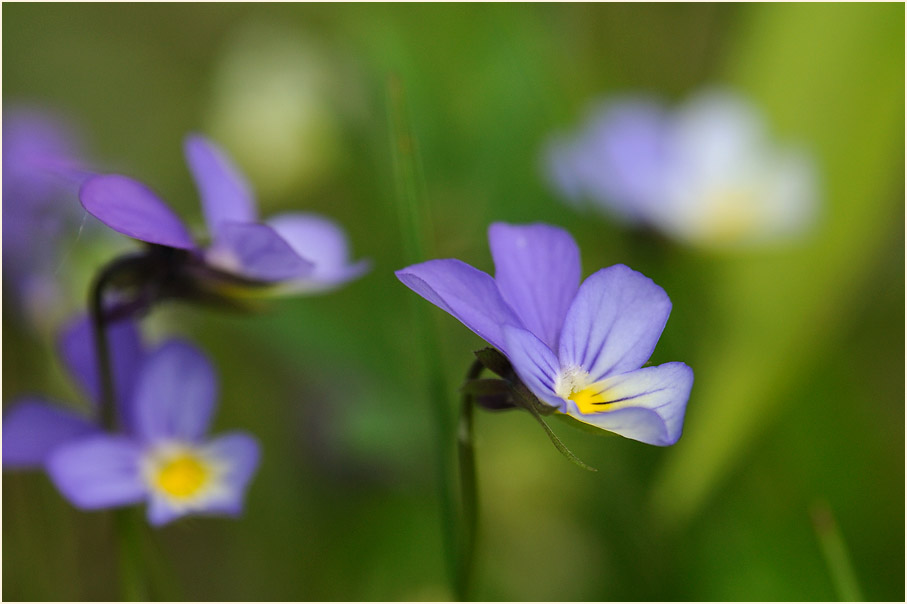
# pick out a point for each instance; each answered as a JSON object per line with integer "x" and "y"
{"x": 799, "y": 396}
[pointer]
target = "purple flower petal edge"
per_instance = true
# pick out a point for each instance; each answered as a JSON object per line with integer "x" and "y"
{"x": 131, "y": 208}
{"x": 33, "y": 428}
{"x": 225, "y": 194}
{"x": 175, "y": 395}
{"x": 467, "y": 293}
{"x": 537, "y": 271}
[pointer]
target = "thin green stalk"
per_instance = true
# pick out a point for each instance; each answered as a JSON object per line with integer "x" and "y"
{"x": 412, "y": 213}
{"x": 134, "y": 584}
{"x": 108, "y": 275}
{"x": 468, "y": 484}
{"x": 133, "y": 580}
{"x": 835, "y": 553}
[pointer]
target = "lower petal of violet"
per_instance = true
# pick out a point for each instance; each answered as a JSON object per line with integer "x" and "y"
{"x": 235, "y": 458}
{"x": 647, "y": 405}
{"x": 98, "y": 472}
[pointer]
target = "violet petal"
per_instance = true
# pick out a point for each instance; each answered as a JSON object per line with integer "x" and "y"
{"x": 614, "y": 322}
{"x": 255, "y": 251}
{"x": 534, "y": 363}
{"x": 175, "y": 395}
{"x": 648, "y": 404}
{"x": 224, "y": 191}
{"x": 98, "y": 472}
{"x": 131, "y": 208}
{"x": 537, "y": 269}
{"x": 467, "y": 293}
{"x": 239, "y": 453}
{"x": 33, "y": 428}
{"x": 77, "y": 349}
{"x": 323, "y": 243}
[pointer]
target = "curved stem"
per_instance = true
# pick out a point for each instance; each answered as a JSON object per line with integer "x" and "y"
{"x": 99, "y": 320}
{"x": 133, "y": 578}
{"x": 468, "y": 486}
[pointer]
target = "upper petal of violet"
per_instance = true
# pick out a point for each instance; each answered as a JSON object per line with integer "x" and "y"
{"x": 129, "y": 207}
{"x": 537, "y": 270}
{"x": 176, "y": 394}
{"x": 614, "y": 322}
{"x": 467, "y": 293}
{"x": 224, "y": 191}
{"x": 77, "y": 349}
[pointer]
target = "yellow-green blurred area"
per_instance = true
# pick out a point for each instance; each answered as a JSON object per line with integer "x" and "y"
{"x": 797, "y": 350}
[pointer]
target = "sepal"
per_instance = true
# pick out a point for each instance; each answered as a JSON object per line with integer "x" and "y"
{"x": 496, "y": 362}
{"x": 490, "y": 394}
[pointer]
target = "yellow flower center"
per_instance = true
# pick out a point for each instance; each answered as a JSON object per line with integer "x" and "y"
{"x": 590, "y": 399}
{"x": 730, "y": 216}
{"x": 574, "y": 384}
{"x": 182, "y": 476}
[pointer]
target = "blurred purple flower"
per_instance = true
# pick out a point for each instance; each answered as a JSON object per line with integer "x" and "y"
{"x": 160, "y": 455}
{"x": 578, "y": 348}
{"x": 295, "y": 252}
{"x": 704, "y": 174}
{"x": 34, "y": 426}
{"x": 41, "y": 176}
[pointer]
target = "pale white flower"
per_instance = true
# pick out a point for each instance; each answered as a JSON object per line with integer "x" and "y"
{"x": 705, "y": 174}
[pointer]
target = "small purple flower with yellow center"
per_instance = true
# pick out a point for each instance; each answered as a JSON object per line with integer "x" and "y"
{"x": 580, "y": 349}
{"x": 161, "y": 455}
{"x": 290, "y": 253}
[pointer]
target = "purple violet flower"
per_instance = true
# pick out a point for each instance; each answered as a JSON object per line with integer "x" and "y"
{"x": 704, "y": 174}
{"x": 34, "y": 426}
{"x": 160, "y": 455}
{"x": 41, "y": 176}
{"x": 578, "y": 348}
{"x": 293, "y": 252}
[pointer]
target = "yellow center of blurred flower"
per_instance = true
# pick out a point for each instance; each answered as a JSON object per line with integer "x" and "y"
{"x": 730, "y": 216}
{"x": 182, "y": 476}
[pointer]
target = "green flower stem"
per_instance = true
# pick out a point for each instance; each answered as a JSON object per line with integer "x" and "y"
{"x": 466, "y": 455}
{"x": 128, "y": 525}
{"x": 108, "y": 276}
{"x": 134, "y": 584}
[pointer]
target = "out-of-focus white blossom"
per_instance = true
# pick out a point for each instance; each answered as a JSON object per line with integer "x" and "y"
{"x": 705, "y": 174}
{"x": 277, "y": 104}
